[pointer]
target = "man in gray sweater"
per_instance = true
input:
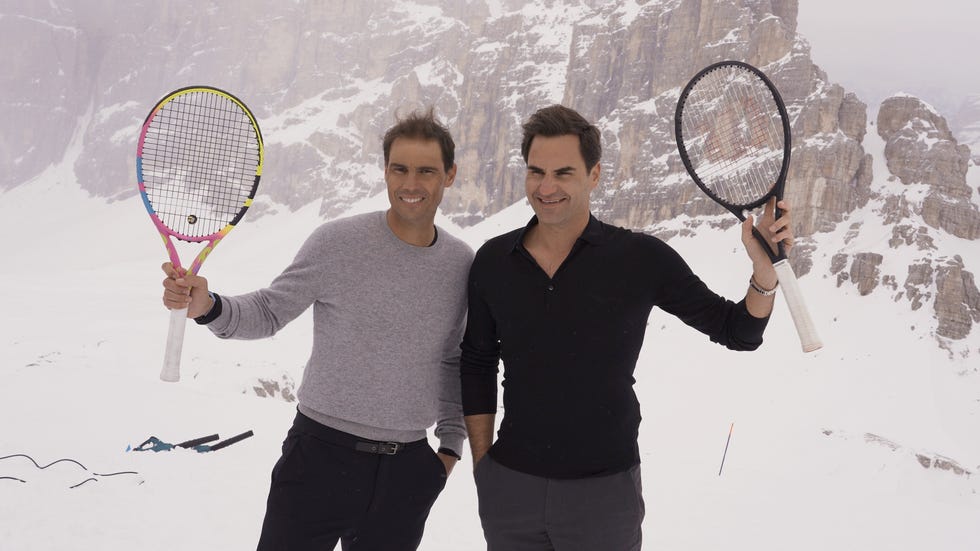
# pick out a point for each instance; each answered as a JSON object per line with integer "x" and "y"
{"x": 388, "y": 291}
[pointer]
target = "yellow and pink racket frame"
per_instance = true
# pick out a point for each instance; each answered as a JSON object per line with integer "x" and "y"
{"x": 165, "y": 232}
{"x": 178, "y": 318}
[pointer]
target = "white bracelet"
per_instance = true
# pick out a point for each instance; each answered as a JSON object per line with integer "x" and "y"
{"x": 758, "y": 288}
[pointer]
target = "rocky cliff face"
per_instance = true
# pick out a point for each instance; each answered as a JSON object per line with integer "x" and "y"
{"x": 326, "y": 78}
{"x": 629, "y": 74}
{"x": 967, "y": 129}
{"x": 921, "y": 150}
{"x": 926, "y": 196}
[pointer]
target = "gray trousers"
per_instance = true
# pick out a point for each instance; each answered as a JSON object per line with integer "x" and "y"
{"x": 522, "y": 512}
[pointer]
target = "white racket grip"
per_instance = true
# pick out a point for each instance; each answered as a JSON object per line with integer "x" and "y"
{"x": 809, "y": 339}
{"x": 175, "y": 342}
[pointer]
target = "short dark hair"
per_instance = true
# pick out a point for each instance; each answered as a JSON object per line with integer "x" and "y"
{"x": 422, "y": 126}
{"x": 558, "y": 120}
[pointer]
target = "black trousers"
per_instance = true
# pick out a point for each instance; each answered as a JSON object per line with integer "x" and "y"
{"x": 324, "y": 491}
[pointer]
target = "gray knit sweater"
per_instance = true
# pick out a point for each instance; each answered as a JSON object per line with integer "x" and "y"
{"x": 387, "y": 322}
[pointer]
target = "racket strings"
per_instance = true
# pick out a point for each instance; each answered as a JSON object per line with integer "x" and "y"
{"x": 733, "y": 135}
{"x": 200, "y": 157}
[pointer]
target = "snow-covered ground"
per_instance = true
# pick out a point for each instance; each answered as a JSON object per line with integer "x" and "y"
{"x": 823, "y": 452}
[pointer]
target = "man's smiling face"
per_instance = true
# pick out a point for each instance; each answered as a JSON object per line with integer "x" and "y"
{"x": 416, "y": 178}
{"x": 557, "y": 183}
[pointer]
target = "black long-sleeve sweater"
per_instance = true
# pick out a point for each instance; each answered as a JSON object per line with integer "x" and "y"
{"x": 569, "y": 344}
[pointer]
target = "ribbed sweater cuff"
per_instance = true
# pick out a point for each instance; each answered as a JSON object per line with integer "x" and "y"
{"x": 453, "y": 442}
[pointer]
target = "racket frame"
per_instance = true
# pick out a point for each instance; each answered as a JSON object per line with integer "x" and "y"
{"x": 809, "y": 340}
{"x": 178, "y": 317}
{"x": 777, "y": 188}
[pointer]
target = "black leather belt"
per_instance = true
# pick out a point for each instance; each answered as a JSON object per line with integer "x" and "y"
{"x": 341, "y": 438}
{"x": 380, "y": 448}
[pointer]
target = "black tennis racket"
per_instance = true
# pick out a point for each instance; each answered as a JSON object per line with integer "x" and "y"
{"x": 198, "y": 164}
{"x": 733, "y": 135}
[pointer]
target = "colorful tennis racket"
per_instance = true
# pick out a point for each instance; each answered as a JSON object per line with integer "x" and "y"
{"x": 198, "y": 164}
{"x": 733, "y": 135}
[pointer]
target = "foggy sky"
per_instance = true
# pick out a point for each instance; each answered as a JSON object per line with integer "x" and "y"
{"x": 876, "y": 48}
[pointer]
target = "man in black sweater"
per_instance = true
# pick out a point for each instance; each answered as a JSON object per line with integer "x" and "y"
{"x": 564, "y": 302}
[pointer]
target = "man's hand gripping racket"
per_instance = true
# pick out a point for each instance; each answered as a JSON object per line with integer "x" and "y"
{"x": 198, "y": 165}
{"x": 733, "y": 135}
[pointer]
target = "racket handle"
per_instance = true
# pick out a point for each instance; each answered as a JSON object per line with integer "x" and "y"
{"x": 809, "y": 339}
{"x": 175, "y": 342}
